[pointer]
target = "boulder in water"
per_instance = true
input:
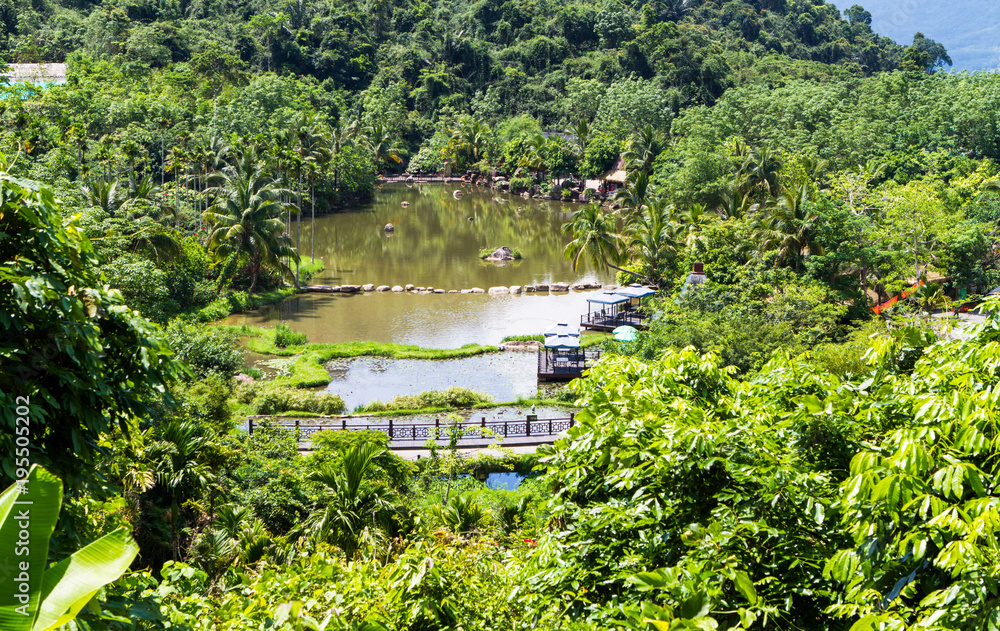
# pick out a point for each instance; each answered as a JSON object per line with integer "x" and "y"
{"x": 391, "y": 228}
{"x": 396, "y": 289}
{"x": 368, "y": 287}
{"x": 501, "y": 254}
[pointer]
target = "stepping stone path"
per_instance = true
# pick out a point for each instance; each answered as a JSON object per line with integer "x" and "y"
{"x": 495, "y": 291}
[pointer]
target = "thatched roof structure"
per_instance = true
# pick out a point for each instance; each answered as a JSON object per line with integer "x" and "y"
{"x": 616, "y": 173}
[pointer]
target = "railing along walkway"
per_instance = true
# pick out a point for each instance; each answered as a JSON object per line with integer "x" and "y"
{"x": 406, "y": 435}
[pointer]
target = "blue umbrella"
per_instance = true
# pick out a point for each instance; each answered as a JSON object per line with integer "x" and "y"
{"x": 625, "y": 333}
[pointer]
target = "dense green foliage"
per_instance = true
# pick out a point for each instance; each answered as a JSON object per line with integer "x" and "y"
{"x": 760, "y": 458}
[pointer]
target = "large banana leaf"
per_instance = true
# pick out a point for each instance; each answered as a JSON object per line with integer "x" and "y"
{"x": 68, "y": 585}
{"x": 41, "y": 502}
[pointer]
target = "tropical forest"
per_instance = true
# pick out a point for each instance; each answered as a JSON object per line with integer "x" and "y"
{"x": 289, "y": 306}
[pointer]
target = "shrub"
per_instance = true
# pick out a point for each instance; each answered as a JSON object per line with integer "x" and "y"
{"x": 207, "y": 350}
{"x": 271, "y": 399}
{"x": 285, "y": 336}
{"x": 453, "y": 397}
{"x": 518, "y": 184}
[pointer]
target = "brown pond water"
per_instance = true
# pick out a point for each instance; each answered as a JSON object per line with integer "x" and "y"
{"x": 436, "y": 243}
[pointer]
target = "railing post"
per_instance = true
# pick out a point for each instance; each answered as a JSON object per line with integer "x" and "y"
{"x": 483, "y": 422}
{"x": 343, "y": 424}
{"x": 572, "y": 420}
{"x": 505, "y": 429}
{"x": 414, "y": 426}
{"x": 251, "y": 425}
{"x": 390, "y": 430}
{"x": 550, "y": 427}
{"x": 527, "y": 426}
{"x": 298, "y": 435}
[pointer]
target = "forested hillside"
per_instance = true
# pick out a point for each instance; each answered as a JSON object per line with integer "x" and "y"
{"x": 769, "y": 453}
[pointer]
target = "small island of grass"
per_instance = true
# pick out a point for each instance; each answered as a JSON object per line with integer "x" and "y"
{"x": 500, "y": 254}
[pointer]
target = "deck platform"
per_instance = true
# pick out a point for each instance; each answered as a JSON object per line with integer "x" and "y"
{"x": 602, "y": 321}
{"x": 564, "y": 366}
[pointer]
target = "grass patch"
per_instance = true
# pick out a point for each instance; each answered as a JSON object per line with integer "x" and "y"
{"x": 285, "y": 336}
{"x": 307, "y": 270}
{"x": 306, "y": 368}
{"x": 524, "y": 338}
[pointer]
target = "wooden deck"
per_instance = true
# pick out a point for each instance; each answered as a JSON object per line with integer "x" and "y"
{"x": 603, "y": 321}
{"x": 564, "y": 366}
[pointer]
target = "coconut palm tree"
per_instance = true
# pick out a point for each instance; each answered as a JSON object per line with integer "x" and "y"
{"x": 381, "y": 143}
{"x": 645, "y": 145}
{"x": 103, "y": 194}
{"x": 246, "y": 219}
{"x": 635, "y": 193}
{"x": 595, "y": 233}
{"x": 653, "y": 237}
{"x": 758, "y": 173}
{"x": 354, "y": 505}
{"x": 580, "y": 134}
{"x": 787, "y": 223}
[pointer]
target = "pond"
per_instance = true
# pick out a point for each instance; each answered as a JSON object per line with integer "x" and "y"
{"x": 503, "y": 376}
{"x": 436, "y": 243}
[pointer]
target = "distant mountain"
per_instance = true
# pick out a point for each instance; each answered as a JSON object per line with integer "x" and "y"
{"x": 969, "y": 29}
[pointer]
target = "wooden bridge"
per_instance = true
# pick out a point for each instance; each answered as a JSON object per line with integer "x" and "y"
{"x": 404, "y": 435}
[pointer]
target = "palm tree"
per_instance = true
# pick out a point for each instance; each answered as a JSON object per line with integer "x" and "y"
{"x": 381, "y": 143}
{"x": 103, "y": 193}
{"x": 759, "y": 173}
{"x": 690, "y": 222}
{"x": 653, "y": 237}
{"x": 787, "y": 223}
{"x": 537, "y": 155}
{"x": 581, "y": 134}
{"x": 645, "y": 145}
{"x": 180, "y": 457}
{"x": 468, "y": 141}
{"x": 595, "y": 234}
{"x": 354, "y": 505}
{"x": 634, "y": 194}
{"x": 246, "y": 219}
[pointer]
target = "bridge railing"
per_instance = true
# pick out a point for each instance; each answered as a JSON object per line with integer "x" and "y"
{"x": 528, "y": 427}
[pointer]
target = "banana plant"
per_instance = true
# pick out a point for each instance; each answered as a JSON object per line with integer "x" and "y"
{"x": 37, "y": 597}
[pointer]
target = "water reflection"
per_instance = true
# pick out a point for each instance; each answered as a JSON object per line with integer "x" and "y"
{"x": 436, "y": 243}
